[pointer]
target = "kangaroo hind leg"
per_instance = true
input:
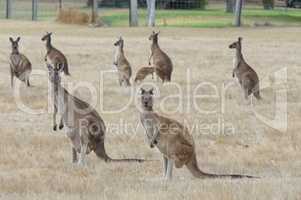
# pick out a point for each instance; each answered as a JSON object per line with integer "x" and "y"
{"x": 165, "y": 161}
{"x": 169, "y": 169}
{"x": 84, "y": 140}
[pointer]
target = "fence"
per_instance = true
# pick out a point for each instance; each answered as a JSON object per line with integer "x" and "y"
{"x": 46, "y": 9}
{"x": 116, "y": 12}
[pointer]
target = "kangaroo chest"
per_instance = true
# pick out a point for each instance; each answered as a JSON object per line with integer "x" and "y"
{"x": 116, "y": 55}
{"x": 16, "y": 61}
{"x": 58, "y": 101}
{"x": 148, "y": 121}
{"x": 235, "y": 62}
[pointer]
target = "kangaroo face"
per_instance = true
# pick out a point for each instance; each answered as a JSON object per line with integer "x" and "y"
{"x": 154, "y": 36}
{"x": 14, "y": 44}
{"x": 236, "y": 45}
{"x": 119, "y": 42}
{"x": 47, "y": 36}
{"x": 147, "y": 99}
{"x": 54, "y": 73}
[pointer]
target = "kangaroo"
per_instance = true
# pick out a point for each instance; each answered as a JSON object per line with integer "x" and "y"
{"x": 122, "y": 64}
{"x": 20, "y": 66}
{"x": 54, "y": 56}
{"x": 83, "y": 125}
{"x": 162, "y": 64}
{"x": 143, "y": 72}
{"x": 173, "y": 141}
{"x": 246, "y": 76}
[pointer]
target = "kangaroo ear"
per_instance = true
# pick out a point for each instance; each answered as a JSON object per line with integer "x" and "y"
{"x": 60, "y": 67}
{"x": 142, "y": 91}
{"x": 18, "y": 39}
{"x": 239, "y": 39}
{"x": 11, "y": 39}
{"x": 151, "y": 91}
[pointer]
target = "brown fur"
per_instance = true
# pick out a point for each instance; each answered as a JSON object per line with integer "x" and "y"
{"x": 143, "y": 72}
{"x": 84, "y": 127}
{"x": 246, "y": 76}
{"x": 122, "y": 64}
{"x": 172, "y": 139}
{"x": 54, "y": 56}
{"x": 20, "y": 66}
{"x": 161, "y": 62}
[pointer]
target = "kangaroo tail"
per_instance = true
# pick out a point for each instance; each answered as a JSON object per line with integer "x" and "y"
{"x": 196, "y": 172}
{"x": 101, "y": 153}
{"x": 127, "y": 160}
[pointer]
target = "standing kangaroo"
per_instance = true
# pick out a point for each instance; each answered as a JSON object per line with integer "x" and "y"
{"x": 246, "y": 76}
{"x": 173, "y": 141}
{"x": 20, "y": 66}
{"x": 122, "y": 64}
{"x": 162, "y": 64}
{"x": 83, "y": 125}
{"x": 54, "y": 56}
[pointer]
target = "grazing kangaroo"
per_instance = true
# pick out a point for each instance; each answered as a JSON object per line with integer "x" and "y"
{"x": 54, "y": 56}
{"x": 246, "y": 76}
{"x": 122, "y": 64}
{"x": 20, "y": 66}
{"x": 143, "y": 72}
{"x": 173, "y": 141}
{"x": 83, "y": 125}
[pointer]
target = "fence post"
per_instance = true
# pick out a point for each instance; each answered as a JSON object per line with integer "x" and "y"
{"x": 34, "y": 10}
{"x": 152, "y": 13}
{"x": 60, "y": 5}
{"x": 133, "y": 13}
{"x": 94, "y": 11}
{"x": 8, "y": 9}
{"x": 238, "y": 8}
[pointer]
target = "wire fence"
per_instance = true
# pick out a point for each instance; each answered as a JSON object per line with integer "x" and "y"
{"x": 47, "y": 9}
{"x": 116, "y": 13}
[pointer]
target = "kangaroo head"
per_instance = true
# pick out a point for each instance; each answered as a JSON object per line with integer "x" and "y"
{"x": 119, "y": 42}
{"x": 15, "y": 44}
{"x": 236, "y": 44}
{"x": 47, "y": 36}
{"x": 54, "y": 73}
{"x": 147, "y": 99}
{"x": 154, "y": 36}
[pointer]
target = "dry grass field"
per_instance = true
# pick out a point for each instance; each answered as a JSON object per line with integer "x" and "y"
{"x": 35, "y": 162}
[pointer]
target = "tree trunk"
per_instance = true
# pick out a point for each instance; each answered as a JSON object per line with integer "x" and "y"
{"x": 8, "y": 9}
{"x": 229, "y": 6}
{"x": 60, "y": 4}
{"x": 34, "y": 10}
{"x": 151, "y": 8}
{"x": 238, "y": 8}
{"x": 148, "y": 10}
{"x": 94, "y": 13}
{"x": 133, "y": 13}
